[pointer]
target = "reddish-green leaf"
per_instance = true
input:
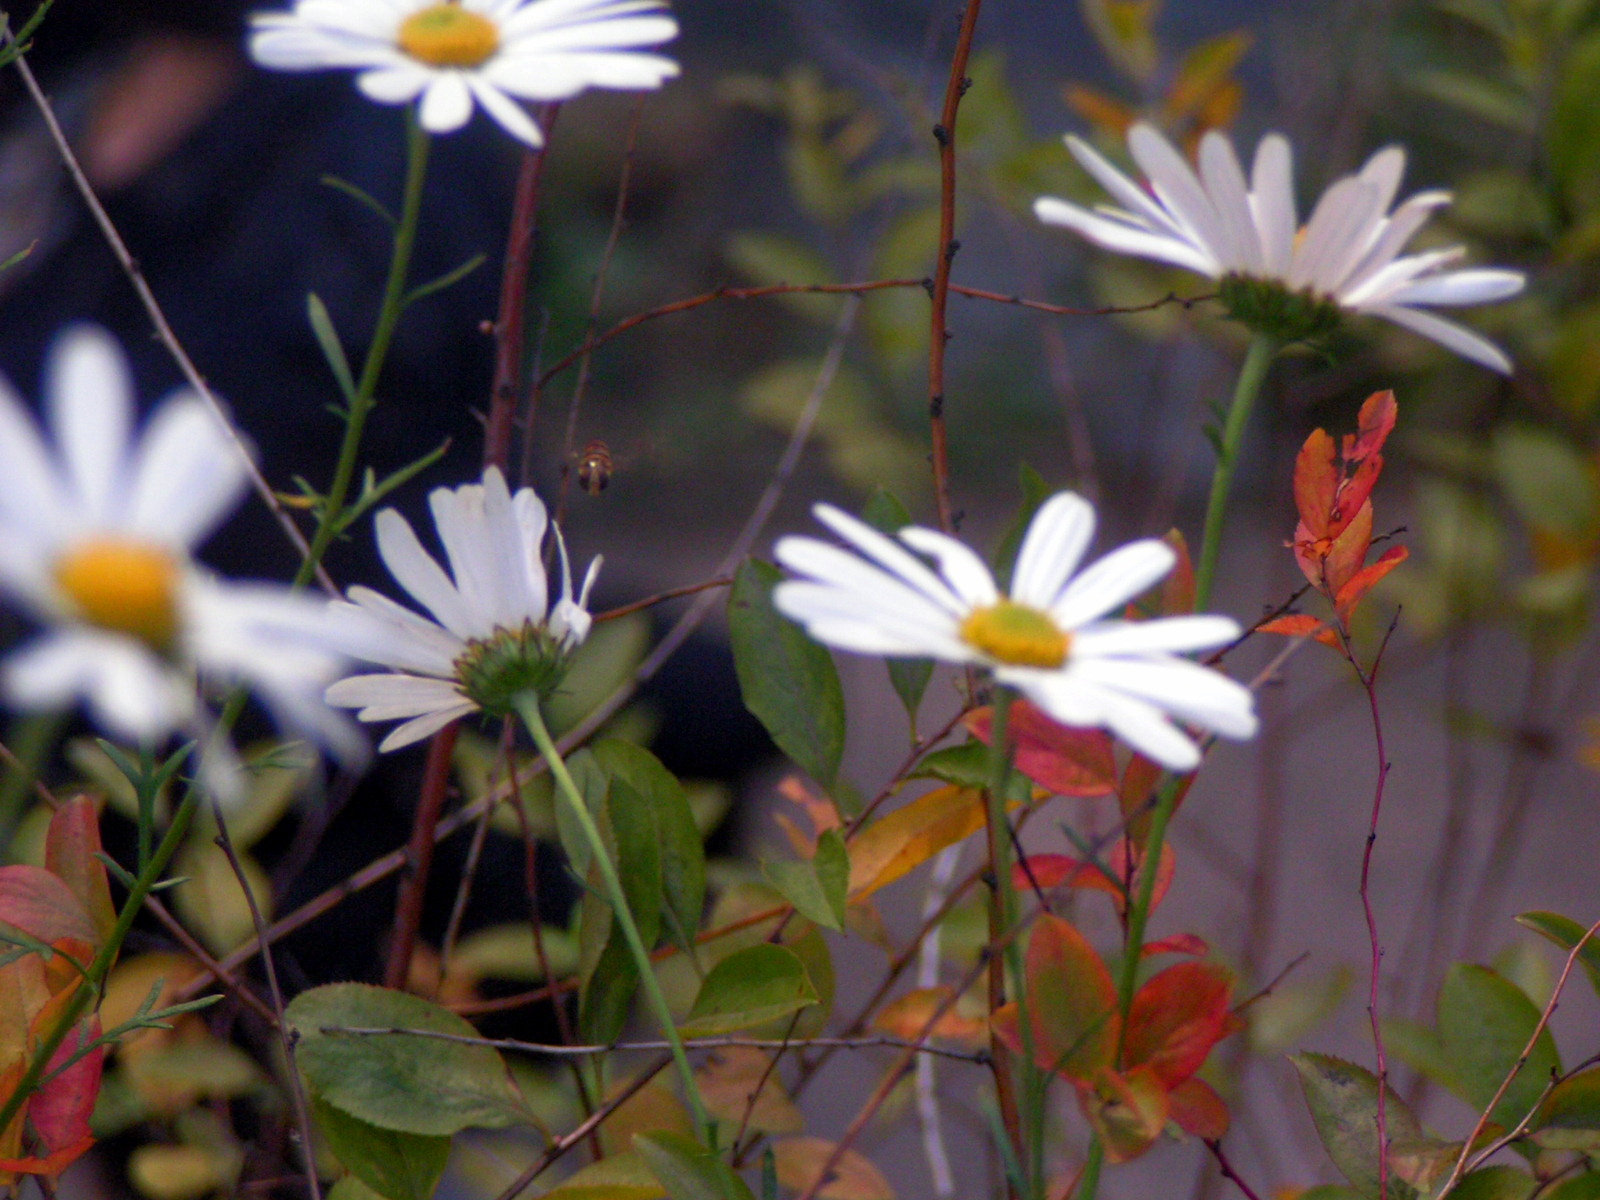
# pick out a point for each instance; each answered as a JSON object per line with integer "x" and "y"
{"x": 1059, "y": 758}
{"x": 1072, "y": 1003}
{"x": 43, "y": 906}
{"x": 1176, "y": 1018}
{"x": 1195, "y": 1108}
{"x": 1127, "y": 1111}
{"x": 1113, "y": 877}
{"x": 70, "y": 853}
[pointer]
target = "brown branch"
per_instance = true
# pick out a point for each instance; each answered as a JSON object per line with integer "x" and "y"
{"x": 419, "y": 856}
{"x": 508, "y": 326}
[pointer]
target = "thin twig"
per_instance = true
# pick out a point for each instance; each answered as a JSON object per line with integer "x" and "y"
{"x": 508, "y": 326}
{"x": 297, "y": 1094}
{"x": 1226, "y": 1167}
{"x": 158, "y": 317}
{"x": 619, "y": 215}
{"x": 1462, "y": 1165}
{"x": 419, "y": 856}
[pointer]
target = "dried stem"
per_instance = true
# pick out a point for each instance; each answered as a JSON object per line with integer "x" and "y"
{"x": 509, "y": 324}
{"x": 419, "y": 857}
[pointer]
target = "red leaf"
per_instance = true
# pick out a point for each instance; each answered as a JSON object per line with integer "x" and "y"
{"x": 1136, "y": 794}
{"x": 1059, "y": 758}
{"x": 1316, "y": 481}
{"x": 1176, "y": 1018}
{"x": 1359, "y": 584}
{"x": 1177, "y": 589}
{"x": 1072, "y": 1003}
{"x": 70, "y": 853}
{"x": 59, "y": 1111}
{"x": 1373, "y": 426}
{"x": 1111, "y": 877}
{"x": 41, "y": 905}
{"x": 1197, "y": 1109}
{"x": 1178, "y": 943}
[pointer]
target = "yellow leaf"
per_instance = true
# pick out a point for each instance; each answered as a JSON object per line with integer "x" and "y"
{"x": 908, "y": 1016}
{"x": 800, "y": 1160}
{"x": 898, "y": 843}
{"x": 735, "y": 1080}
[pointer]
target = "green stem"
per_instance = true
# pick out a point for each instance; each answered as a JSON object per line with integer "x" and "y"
{"x": 1128, "y": 969}
{"x": 88, "y": 989}
{"x": 527, "y": 706}
{"x": 1256, "y": 361}
{"x": 389, "y": 313}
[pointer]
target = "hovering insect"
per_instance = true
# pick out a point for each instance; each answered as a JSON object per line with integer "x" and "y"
{"x": 595, "y": 467}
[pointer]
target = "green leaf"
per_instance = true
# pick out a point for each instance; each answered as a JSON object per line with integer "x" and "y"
{"x": 967, "y": 765}
{"x": 1582, "y": 1187}
{"x": 687, "y": 1169}
{"x": 908, "y": 676}
{"x": 1500, "y": 1182}
{"x": 350, "y": 1187}
{"x": 1343, "y": 1099}
{"x": 1567, "y": 933}
{"x": 1484, "y": 1022}
{"x": 681, "y": 851}
{"x": 770, "y": 258}
{"x": 1573, "y": 1103}
{"x": 1418, "y": 1046}
{"x": 410, "y": 1084}
{"x": 452, "y": 276}
{"x": 788, "y": 681}
{"x": 1548, "y": 480}
{"x": 332, "y": 349}
{"x": 400, "y": 1166}
{"x": 1574, "y": 126}
{"x": 608, "y": 990}
{"x": 638, "y": 861}
{"x": 593, "y": 786}
{"x": 749, "y": 987}
{"x": 816, "y": 888}
{"x": 615, "y": 1177}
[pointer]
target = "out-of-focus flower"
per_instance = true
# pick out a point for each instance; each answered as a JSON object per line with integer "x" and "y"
{"x": 1275, "y": 276}
{"x": 452, "y": 53}
{"x": 95, "y": 539}
{"x": 495, "y": 632}
{"x": 1051, "y": 638}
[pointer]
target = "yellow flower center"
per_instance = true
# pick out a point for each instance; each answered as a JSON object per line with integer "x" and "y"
{"x": 126, "y": 586}
{"x": 1017, "y": 635}
{"x": 447, "y": 35}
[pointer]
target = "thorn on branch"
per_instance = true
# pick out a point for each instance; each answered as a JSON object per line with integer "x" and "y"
{"x": 927, "y": 286}
{"x": 936, "y": 407}
{"x": 941, "y": 135}
{"x": 961, "y": 88}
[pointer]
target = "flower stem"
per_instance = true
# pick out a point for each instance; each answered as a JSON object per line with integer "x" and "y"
{"x": 1251, "y": 375}
{"x": 1002, "y": 918}
{"x": 364, "y": 400}
{"x": 527, "y": 706}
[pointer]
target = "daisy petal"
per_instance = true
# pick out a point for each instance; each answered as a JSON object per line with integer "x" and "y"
{"x": 1113, "y": 581}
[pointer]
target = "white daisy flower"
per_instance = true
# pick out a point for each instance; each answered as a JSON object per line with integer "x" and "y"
{"x": 95, "y": 539}
{"x": 451, "y": 53}
{"x": 494, "y": 635}
{"x": 1275, "y": 275}
{"x": 1050, "y": 639}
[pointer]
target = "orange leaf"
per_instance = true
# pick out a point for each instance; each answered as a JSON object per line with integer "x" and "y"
{"x": 1316, "y": 481}
{"x": 897, "y": 843}
{"x": 51, "y": 1164}
{"x": 1359, "y": 584}
{"x": 1127, "y": 1111}
{"x": 907, "y": 1018}
{"x": 1177, "y": 589}
{"x": 1374, "y": 424}
{"x": 70, "y": 851}
{"x": 1197, "y": 1109}
{"x": 1072, "y": 1002}
{"x": 1301, "y": 625}
{"x": 1176, "y": 1018}
{"x": 1059, "y": 758}
{"x": 1136, "y": 794}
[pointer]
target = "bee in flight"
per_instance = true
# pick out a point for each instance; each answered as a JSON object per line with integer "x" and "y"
{"x": 595, "y": 467}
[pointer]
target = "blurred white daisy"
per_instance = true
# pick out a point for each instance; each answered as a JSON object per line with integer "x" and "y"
{"x": 1051, "y": 638}
{"x": 1274, "y": 275}
{"x": 495, "y": 632}
{"x": 451, "y": 53}
{"x": 95, "y": 540}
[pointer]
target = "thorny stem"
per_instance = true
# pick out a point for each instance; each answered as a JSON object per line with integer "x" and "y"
{"x": 1251, "y": 376}
{"x": 945, "y": 134}
{"x": 527, "y": 706}
{"x": 389, "y": 313}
